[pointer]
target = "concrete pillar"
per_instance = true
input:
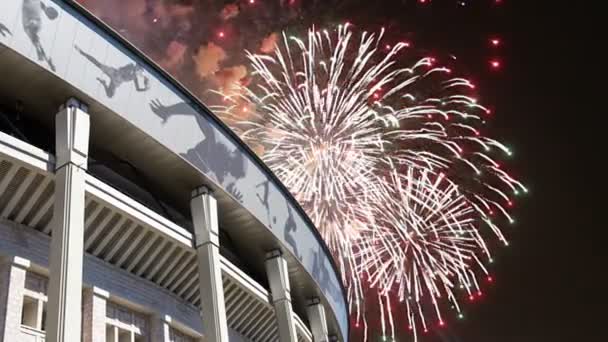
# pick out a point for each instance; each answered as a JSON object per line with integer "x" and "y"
{"x": 66, "y": 255}
{"x": 204, "y": 217}
{"x": 160, "y": 328}
{"x": 12, "y": 283}
{"x": 318, "y": 321}
{"x": 278, "y": 279}
{"x": 94, "y": 315}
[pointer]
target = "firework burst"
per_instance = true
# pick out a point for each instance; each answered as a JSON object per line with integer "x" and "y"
{"x": 388, "y": 161}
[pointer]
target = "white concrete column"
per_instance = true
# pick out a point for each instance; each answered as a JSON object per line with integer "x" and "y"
{"x": 318, "y": 322}
{"x": 66, "y": 255}
{"x": 94, "y": 315}
{"x": 160, "y": 328}
{"x": 278, "y": 279}
{"x": 12, "y": 283}
{"x": 204, "y": 217}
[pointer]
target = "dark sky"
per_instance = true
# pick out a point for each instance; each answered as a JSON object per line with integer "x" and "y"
{"x": 547, "y": 280}
{"x": 546, "y": 285}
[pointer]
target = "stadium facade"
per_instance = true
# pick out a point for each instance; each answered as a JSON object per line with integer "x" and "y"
{"x": 129, "y": 212}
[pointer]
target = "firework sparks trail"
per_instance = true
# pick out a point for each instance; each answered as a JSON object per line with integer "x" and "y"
{"x": 388, "y": 161}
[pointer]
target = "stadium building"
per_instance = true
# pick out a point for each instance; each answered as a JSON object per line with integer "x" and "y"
{"x": 130, "y": 213}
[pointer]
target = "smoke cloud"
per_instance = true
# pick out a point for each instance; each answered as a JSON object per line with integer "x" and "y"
{"x": 208, "y": 59}
{"x": 229, "y": 11}
{"x": 269, "y": 43}
{"x": 228, "y": 79}
{"x": 174, "y": 56}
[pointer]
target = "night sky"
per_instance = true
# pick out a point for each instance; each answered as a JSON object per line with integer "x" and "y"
{"x": 546, "y": 285}
{"x": 545, "y": 281}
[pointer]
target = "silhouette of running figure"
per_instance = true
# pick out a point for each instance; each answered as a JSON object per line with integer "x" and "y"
{"x": 228, "y": 166}
{"x": 4, "y": 31}
{"x": 32, "y": 24}
{"x": 131, "y": 72}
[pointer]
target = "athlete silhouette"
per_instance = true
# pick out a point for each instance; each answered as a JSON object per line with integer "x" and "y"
{"x": 32, "y": 24}
{"x": 4, "y": 31}
{"x": 228, "y": 166}
{"x": 131, "y": 72}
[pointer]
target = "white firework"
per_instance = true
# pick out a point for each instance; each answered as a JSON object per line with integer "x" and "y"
{"x": 388, "y": 162}
{"x": 428, "y": 230}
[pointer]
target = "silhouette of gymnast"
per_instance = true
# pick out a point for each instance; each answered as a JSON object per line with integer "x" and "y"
{"x": 227, "y": 167}
{"x": 323, "y": 277}
{"x": 131, "y": 72}
{"x": 289, "y": 227}
{"x": 32, "y": 24}
{"x": 289, "y": 232}
{"x": 4, "y": 31}
{"x": 225, "y": 163}
{"x": 264, "y": 200}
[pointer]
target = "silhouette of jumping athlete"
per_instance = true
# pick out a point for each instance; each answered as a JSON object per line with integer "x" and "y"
{"x": 131, "y": 72}
{"x": 4, "y": 31}
{"x": 228, "y": 166}
{"x": 32, "y": 24}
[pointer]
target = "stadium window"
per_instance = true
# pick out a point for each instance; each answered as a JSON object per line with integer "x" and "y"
{"x": 125, "y": 325}
{"x": 33, "y": 313}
